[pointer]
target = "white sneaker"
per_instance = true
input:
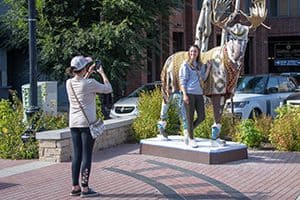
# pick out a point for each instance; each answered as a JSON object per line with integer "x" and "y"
{"x": 162, "y": 137}
{"x": 218, "y": 143}
{"x": 186, "y": 137}
{"x": 193, "y": 143}
{"x": 221, "y": 143}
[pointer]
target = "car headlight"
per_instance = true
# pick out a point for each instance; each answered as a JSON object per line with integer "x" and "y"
{"x": 241, "y": 104}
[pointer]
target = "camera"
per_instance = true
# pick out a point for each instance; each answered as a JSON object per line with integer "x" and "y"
{"x": 97, "y": 64}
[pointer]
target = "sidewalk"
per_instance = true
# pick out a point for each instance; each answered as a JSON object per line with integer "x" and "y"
{"x": 122, "y": 173}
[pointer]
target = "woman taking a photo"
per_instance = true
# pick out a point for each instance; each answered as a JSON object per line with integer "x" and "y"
{"x": 82, "y": 93}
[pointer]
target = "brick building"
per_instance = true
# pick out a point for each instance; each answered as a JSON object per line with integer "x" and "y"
{"x": 268, "y": 51}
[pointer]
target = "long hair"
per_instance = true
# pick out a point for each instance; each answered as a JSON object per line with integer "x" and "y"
{"x": 198, "y": 57}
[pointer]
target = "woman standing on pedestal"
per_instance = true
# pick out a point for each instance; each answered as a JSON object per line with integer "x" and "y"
{"x": 190, "y": 76}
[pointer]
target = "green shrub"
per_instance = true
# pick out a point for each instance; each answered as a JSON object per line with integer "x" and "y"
{"x": 13, "y": 126}
{"x": 229, "y": 125}
{"x": 264, "y": 123}
{"x": 204, "y": 129}
{"x": 149, "y": 106}
{"x": 248, "y": 133}
{"x": 50, "y": 122}
{"x": 11, "y": 129}
{"x": 285, "y": 131}
{"x": 99, "y": 112}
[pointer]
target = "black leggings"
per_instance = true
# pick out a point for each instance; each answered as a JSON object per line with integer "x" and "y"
{"x": 83, "y": 144}
{"x": 196, "y": 102}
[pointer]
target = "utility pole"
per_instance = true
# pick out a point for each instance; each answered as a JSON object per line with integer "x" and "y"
{"x": 33, "y": 101}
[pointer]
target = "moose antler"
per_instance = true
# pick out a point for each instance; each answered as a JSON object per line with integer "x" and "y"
{"x": 219, "y": 9}
{"x": 258, "y": 14}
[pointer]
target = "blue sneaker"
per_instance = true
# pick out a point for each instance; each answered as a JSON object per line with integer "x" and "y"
{"x": 215, "y": 131}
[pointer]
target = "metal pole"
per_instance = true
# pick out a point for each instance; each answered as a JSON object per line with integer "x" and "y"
{"x": 32, "y": 54}
{"x": 33, "y": 108}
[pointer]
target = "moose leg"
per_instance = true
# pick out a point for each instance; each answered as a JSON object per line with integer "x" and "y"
{"x": 178, "y": 101}
{"x": 161, "y": 125}
{"x": 218, "y": 102}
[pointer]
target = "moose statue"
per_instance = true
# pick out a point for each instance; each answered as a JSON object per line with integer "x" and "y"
{"x": 226, "y": 59}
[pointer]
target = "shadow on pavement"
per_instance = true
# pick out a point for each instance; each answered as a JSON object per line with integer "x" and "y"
{"x": 6, "y": 185}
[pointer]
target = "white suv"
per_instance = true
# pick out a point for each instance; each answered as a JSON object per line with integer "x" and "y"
{"x": 259, "y": 94}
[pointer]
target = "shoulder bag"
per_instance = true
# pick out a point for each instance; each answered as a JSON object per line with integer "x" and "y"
{"x": 96, "y": 128}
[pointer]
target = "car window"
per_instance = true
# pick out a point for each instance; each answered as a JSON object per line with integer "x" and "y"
{"x": 251, "y": 84}
{"x": 295, "y": 79}
{"x": 273, "y": 85}
{"x": 285, "y": 85}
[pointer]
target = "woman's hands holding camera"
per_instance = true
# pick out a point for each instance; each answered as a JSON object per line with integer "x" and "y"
{"x": 97, "y": 67}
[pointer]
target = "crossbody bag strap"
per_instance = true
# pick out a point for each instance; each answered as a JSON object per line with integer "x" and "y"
{"x": 79, "y": 102}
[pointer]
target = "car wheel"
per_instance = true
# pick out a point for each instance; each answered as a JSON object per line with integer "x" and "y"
{"x": 255, "y": 113}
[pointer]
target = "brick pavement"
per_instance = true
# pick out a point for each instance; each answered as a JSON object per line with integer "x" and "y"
{"x": 122, "y": 173}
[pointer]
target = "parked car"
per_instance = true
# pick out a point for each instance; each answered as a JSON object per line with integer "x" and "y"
{"x": 127, "y": 106}
{"x": 293, "y": 99}
{"x": 294, "y": 76}
{"x": 259, "y": 94}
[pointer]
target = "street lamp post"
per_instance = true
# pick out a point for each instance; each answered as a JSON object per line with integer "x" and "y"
{"x": 32, "y": 54}
{"x": 33, "y": 105}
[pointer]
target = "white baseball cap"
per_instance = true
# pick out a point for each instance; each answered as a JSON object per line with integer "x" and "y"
{"x": 80, "y": 62}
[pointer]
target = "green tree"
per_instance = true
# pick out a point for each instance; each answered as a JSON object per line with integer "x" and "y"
{"x": 116, "y": 31}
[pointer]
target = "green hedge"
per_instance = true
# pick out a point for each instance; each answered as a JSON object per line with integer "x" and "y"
{"x": 13, "y": 126}
{"x": 204, "y": 129}
{"x": 11, "y": 129}
{"x": 283, "y": 132}
{"x": 149, "y": 106}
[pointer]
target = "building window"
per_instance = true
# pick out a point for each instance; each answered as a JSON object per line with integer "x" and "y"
{"x": 273, "y": 8}
{"x": 177, "y": 41}
{"x": 284, "y": 8}
{"x": 295, "y": 7}
{"x": 284, "y": 54}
